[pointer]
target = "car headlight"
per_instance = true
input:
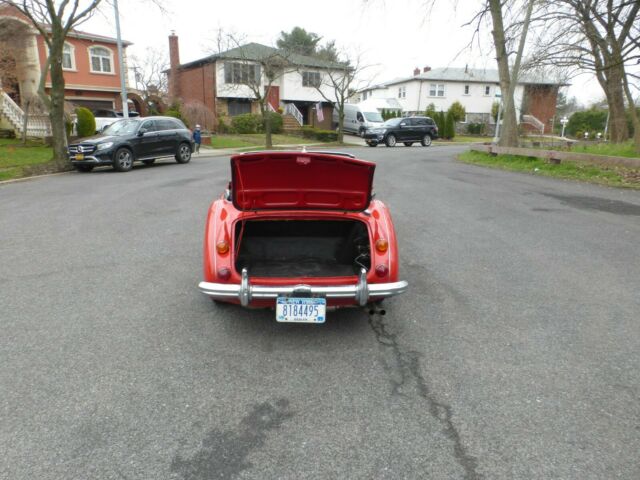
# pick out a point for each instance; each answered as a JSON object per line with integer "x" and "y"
{"x": 378, "y": 130}
{"x": 105, "y": 145}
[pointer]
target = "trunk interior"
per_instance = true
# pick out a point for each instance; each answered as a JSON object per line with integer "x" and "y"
{"x": 302, "y": 248}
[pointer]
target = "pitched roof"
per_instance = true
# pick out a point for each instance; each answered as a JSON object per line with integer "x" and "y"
{"x": 470, "y": 75}
{"x": 257, "y": 52}
{"x": 91, "y": 36}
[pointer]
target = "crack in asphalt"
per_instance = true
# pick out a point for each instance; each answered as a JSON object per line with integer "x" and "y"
{"x": 407, "y": 367}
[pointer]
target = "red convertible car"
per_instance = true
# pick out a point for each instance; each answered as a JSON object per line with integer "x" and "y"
{"x": 300, "y": 231}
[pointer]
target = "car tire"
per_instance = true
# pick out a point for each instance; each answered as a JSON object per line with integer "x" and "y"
{"x": 390, "y": 141}
{"x": 83, "y": 168}
{"x": 123, "y": 160}
{"x": 426, "y": 140}
{"x": 184, "y": 153}
{"x": 408, "y": 144}
{"x": 372, "y": 144}
{"x": 151, "y": 161}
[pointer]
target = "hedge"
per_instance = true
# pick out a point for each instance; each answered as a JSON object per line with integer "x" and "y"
{"x": 86, "y": 123}
{"x": 320, "y": 135}
{"x": 246, "y": 123}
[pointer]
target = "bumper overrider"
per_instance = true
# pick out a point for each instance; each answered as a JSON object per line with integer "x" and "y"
{"x": 361, "y": 293}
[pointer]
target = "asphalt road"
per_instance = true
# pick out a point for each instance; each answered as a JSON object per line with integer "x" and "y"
{"x": 515, "y": 354}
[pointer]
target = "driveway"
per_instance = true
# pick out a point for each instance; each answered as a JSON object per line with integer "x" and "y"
{"x": 515, "y": 354}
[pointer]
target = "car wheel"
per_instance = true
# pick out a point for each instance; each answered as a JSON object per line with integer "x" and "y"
{"x": 123, "y": 160}
{"x": 408, "y": 144}
{"x": 83, "y": 168}
{"x": 391, "y": 140}
{"x": 372, "y": 144}
{"x": 426, "y": 140}
{"x": 151, "y": 161}
{"x": 184, "y": 153}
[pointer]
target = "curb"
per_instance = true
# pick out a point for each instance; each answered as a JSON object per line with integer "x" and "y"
{"x": 33, "y": 177}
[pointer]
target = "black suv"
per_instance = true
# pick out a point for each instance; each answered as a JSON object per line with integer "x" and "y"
{"x": 133, "y": 139}
{"x": 406, "y": 130}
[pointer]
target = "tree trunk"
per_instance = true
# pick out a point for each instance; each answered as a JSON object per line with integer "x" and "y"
{"x": 635, "y": 119}
{"x": 268, "y": 142}
{"x": 56, "y": 104}
{"x": 340, "y": 122}
{"x": 618, "y": 129}
{"x": 509, "y": 131}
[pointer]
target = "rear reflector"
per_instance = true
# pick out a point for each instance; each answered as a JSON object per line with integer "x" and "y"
{"x": 382, "y": 270}
{"x": 222, "y": 247}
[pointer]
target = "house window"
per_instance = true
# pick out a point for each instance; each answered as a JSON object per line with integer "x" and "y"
{"x": 364, "y": 95}
{"x": 241, "y": 73}
{"x": 402, "y": 92}
{"x": 101, "y": 60}
{"x": 466, "y": 89}
{"x": 238, "y": 106}
{"x": 68, "y": 57}
{"x": 311, "y": 79}
{"x": 436, "y": 90}
{"x": 487, "y": 89}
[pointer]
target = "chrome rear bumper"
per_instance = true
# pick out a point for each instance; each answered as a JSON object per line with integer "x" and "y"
{"x": 362, "y": 292}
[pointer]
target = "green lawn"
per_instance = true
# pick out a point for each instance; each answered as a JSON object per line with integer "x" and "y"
{"x": 615, "y": 149}
{"x": 18, "y": 161}
{"x": 254, "y": 140}
{"x": 465, "y": 139}
{"x": 613, "y": 176}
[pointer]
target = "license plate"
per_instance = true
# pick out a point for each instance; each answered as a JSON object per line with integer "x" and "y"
{"x": 301, "y": 310}
{"x": 79, "y": 156}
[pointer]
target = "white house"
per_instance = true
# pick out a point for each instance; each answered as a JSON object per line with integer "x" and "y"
{"x": 221, "y": 81}
{"x": 475, "y": 89}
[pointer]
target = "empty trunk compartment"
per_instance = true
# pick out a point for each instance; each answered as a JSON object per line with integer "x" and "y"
{"x": 302, "y": 248}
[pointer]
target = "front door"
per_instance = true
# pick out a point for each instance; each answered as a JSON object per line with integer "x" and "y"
{"x": 273, "y": 96}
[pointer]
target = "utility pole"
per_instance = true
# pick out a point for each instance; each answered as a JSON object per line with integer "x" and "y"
{"x": 123, "y": 84}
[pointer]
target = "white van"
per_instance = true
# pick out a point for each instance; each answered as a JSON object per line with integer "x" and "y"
{"x": 356, "y": 120}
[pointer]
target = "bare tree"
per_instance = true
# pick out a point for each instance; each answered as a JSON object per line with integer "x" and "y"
{"x": 509, "y": 73}
{"x": 600, "y": 36}
{"x": 256, "y": 68}
{"x": 54, "y": 20}
{"x": 195, "y": 112}
{"x": 149, "y": 71}
{"x": 338, "y": 81}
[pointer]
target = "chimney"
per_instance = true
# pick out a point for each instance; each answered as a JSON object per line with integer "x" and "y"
{"x": 426, "y": 69}
{"x": 174, "y": 62}
{"x": 174, "y": 50}
{"x": 416, "y": 71}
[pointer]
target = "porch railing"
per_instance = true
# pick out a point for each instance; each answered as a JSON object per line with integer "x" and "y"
{"x": 292, "y": 110}
{"x": 531, "y": 120}
{"x": 38, "y": 125}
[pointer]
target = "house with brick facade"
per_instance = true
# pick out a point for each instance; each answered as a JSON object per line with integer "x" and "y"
{"x": 476, "y": 89}
{"x": 218, "y": 84}
{"x": 90, "y": 66}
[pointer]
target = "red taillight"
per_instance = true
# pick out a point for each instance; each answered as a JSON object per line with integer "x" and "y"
{"x": 224, "y": 273}
{"x": 382, "y": 270}
{"x": 382, "y": 245}
{"x": 222, "y": 247}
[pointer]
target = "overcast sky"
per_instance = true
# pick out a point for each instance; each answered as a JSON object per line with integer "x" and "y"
{"x": 394, "y": 35}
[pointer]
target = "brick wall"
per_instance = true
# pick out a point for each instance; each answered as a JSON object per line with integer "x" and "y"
{"x": 197, "y": 85}
{"x": 540, "y": 101}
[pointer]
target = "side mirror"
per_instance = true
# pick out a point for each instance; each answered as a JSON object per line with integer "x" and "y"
{"x": 142, "y": 131}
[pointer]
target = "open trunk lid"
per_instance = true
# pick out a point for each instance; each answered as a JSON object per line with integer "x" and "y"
{"x": 300, "y": 181}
